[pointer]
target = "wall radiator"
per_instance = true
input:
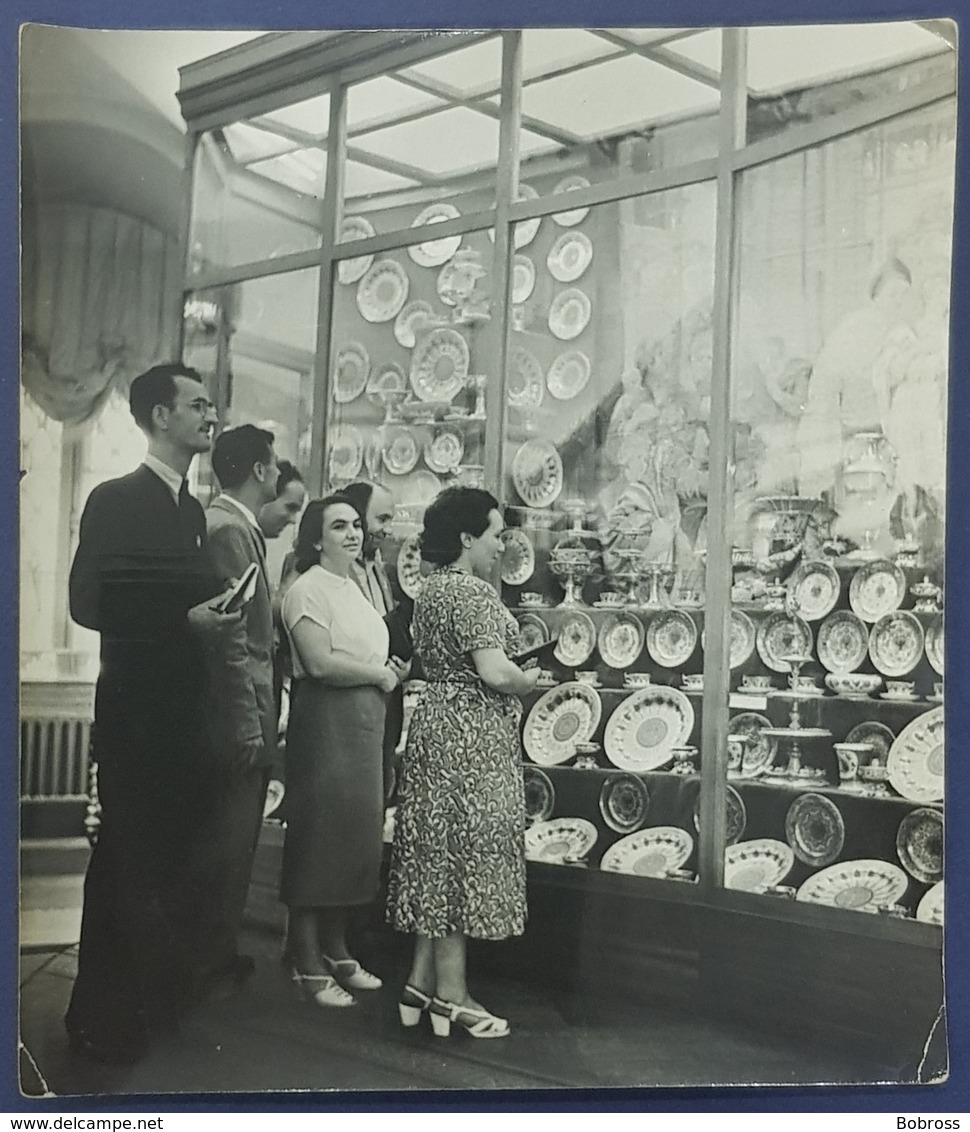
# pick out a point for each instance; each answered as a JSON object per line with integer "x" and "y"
{"x": 54, "y": 758}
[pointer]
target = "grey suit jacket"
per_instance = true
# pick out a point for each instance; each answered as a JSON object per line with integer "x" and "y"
{"x": 243, "y": 706}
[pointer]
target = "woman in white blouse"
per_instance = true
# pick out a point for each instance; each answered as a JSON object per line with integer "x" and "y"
{"x": 341, "y": 676}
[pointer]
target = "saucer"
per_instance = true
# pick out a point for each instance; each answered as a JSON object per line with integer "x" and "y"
{"x": 910, "y": 699}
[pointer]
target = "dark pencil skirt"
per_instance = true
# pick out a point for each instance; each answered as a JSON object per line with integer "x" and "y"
{"x": 334, "y": 796}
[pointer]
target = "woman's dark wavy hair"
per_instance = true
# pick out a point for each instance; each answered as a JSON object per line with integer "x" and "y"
{"x": 305, "y": 553}
{"x": 455, "y": 511}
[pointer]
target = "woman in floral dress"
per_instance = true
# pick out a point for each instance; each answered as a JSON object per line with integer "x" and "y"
{"x": 457, "y": 863}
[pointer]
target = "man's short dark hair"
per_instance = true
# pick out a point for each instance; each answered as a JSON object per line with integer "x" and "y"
{"x": 236, "y": 451}
{"x": 289, "y": 473}
{"x": 156, "y": 386}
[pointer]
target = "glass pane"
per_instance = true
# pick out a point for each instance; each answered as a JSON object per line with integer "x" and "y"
{"x": 840, "y": 381}
{"x": 607, "y": 402}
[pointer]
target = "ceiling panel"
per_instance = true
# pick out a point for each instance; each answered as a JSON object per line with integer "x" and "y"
{"x": 548, "y": 49}
{"x": 642, "y": 36}
{"x": 446, "y": 143}
{"x": 703, "y": 48}
{"x": 382, "y": 98}
{"x": 468, "y": 70}
{"x": 363, "y": 180}
{"x": 302, "y": 170}
{"x": 312, "y": 115}
{"x": 248, "y": 143}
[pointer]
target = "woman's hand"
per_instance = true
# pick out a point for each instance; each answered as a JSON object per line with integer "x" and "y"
{"x": 391, "y": 675}
{"x": 530, "y": 677}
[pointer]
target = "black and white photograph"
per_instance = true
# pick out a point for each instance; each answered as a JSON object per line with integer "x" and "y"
{"x": 483, "y": 515}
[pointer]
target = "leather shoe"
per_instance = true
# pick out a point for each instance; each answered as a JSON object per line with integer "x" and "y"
{"x": 106, "y": 1053}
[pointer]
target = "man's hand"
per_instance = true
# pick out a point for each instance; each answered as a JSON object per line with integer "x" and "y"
{"x": 206, "y": 618}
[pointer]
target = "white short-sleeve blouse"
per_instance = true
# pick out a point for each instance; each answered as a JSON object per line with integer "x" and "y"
{"x": 357, "y": 631}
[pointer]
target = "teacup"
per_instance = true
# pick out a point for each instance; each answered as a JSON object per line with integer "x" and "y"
{"x": 591, "y": 678}
{"x": 735, "y": 748}
{"x": 803, "y": 683}
{"x": 587, "y": 749}
{"x": 636, "y": 679}
{"x": 849, "y": 755}
{"x": 532, "y": 598}
{"x": 693, "y": 681}
{"x": 611, "y": 597}
{"x": 756, "y": 683}
{"x": 938, "y": 689}
{"x": 900, "y": 689}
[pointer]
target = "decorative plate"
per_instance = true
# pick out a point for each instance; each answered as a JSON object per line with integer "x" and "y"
{"x": 735, "y": 815}
{"x": 843, "y": 641}
{"x": 409, "y": 567}
{"x": 781, "y": 635}
{"x": 533, "y": 632}
{"x": 620, "y": 639}
{"x": 537, "y": 473}
{"x": 523, "y": 278}
{"x": 934, "y": 644}
{"x": 524, "y": 231}
{"x": 418, "y": 489}
{"x": 568, "y": 375}
{"x": 671, "y": 637}
{"x": 444, "y": 284}
{"x": 896, "y": 643}
{"x": 623, "y": 802}
{"x": 569, "y": 256}
{"x": 813, "y": 590}
{"x": 862, "y": 885}
{"x": 917, "y": 759}
{"x": 577, "y": 639}
{"x": 650, "y": 852}
{"x": 876, "y": 735}
{"x": 383, "y": 291}
{"x": 351, "y": 370}
{"x": 646, "y": 726}
{"x": 444, "y": 451}
{"x": 753, "y": 866}
{"x": 525, "y": 385}
{"x": 400, "y": 451}
{"x": 518, "y": 557}
{"x": 930, "y": 908}
{"x": 742, "y": 638}
{"x": 572, "y": 216}
{"x": 559, "y": 840}
{"x": 355, "y": 228}
{"x": 814, "y": 829}
{"x": 346, "y": 453}
{"x": 439, "y": 364}
{"x": 433, "y": 253}
{"x": 919, "y": 845}
{"x": 569, "y": 313}
{"x": 759, "y": 750}
{"x": 411, "y": 316}
{"x": 540, "y": 794}
{"x": 390, "y": 378}
{"x": 559, "y": 719}
{"x": 877, "y": 588}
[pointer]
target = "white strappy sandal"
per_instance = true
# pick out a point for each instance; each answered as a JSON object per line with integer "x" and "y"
{"x": 324, "y": 990}
{"x": 477, "y": 1023}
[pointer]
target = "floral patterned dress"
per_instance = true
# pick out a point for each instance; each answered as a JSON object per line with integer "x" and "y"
{"x": 457, "y": 862}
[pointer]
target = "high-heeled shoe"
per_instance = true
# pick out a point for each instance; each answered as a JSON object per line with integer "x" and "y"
{"x": 350, "y": 974}
{"x": 477, "y": 1023}
{"x": 324, "y": 990}
{"x": 413, "y": 1004}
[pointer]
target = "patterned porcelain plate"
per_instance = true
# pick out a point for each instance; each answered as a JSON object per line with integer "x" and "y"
{"x": 569, "y": 256}
{"x": 572, "y": 216}
{"x": 896, "y": 643}
{"x": 346, "y": 453}
{"x": 559, "y": 719}
{"x": 409, "y": 572}
{"x": 620, "y": 639}
{"x": 523, "y": 278}
{"x": 814, "y": 829}
{"x": 569, "y": 314}
{"x": 400, "y": 451}
{"x": 919, "y": 845}
{"x": 559, "y": 840}
{"x": 439, "y": 364}
{"x": 533, "y": 631}
{"x": 355, "y": 228}
{"x": 537, "y": 473}
{"x": 843, "y": 641}
{"x": 351, "y": 370}
{"x": 650, "y": 852}
{"x": 577, "y": 639}
{"x": 623, "y": 802}
{"x": 418, "y": 489}
{"x": 876, "y": 735}
{"x": 917, "y": 759}
{"x": 525, "y": 384}
{"x": 525, "y": 230}
{"x": 759, "y": 750}
{"x": 518, "y": 557}
{"x": 568, "y": 375}
{"x": 412, "y": 316}
{"x": 930, "y": 908}
{"x": 862, "y": 885}
{"x": 671, "y": 637}
{"x": 433, "y": 253}
{"x": 781, "y": 635}
{"x": 742, "y": 638}
{"x": 753, "y": 866}
{"x": 390, "y": 378}
{"x": 540, "y": 794}
{"x": 934, "y": 644}
{"x": 735, "y": 816}
{"x": 813, "y": 590}
{"x": 646, "y": 726}
{"x": 876, "y": 588}
{"x": 444, "y": 451}
{"x": 383, "y": 291}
